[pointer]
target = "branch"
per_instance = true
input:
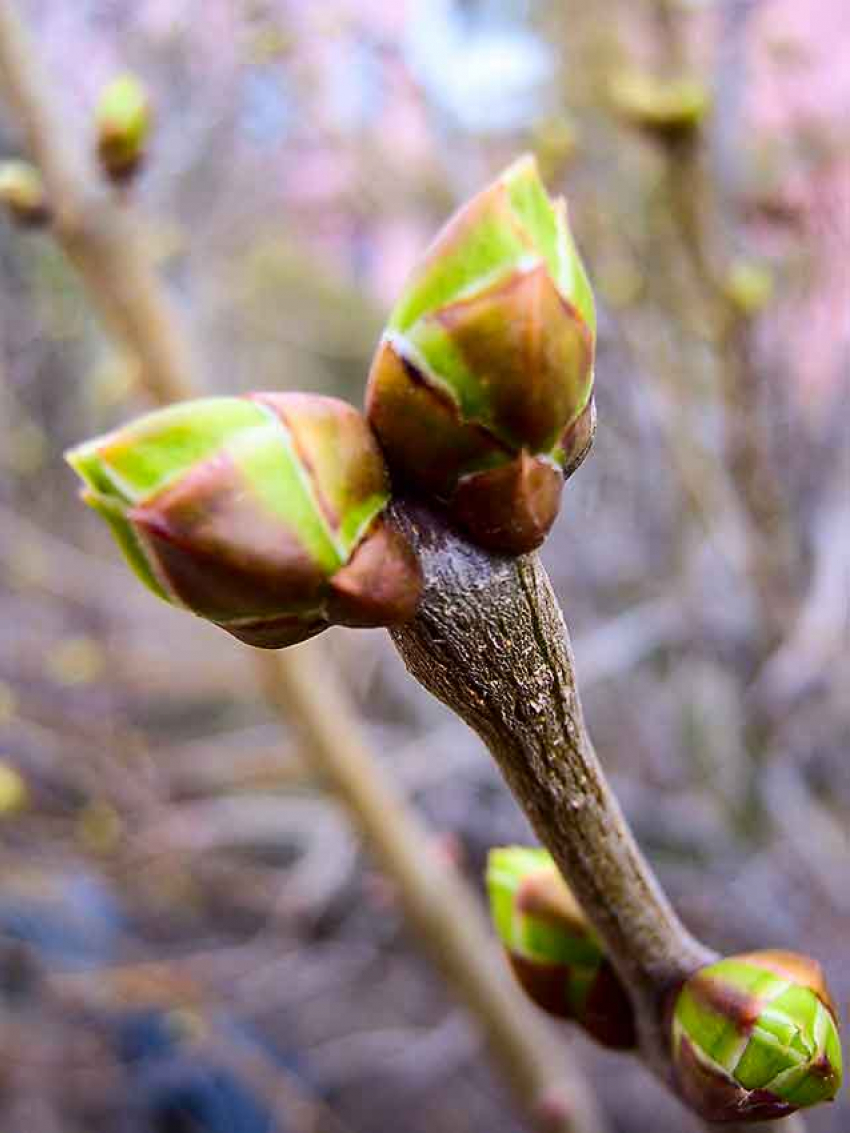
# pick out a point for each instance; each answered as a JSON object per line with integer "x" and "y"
{"x": 490, "y": 642}
{"x": 100, "y": 240}
{"x": 104, "y": 245}
{"x": 437, "y": 904}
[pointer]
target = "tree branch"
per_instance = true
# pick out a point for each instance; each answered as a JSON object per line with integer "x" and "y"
{"x": 490, "y": 642}
{"x": 101, "y": 241}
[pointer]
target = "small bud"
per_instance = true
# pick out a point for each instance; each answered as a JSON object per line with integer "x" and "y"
{"x": 261, "y": 513}
{"x": 123, "y": 121}
{"x": 670, "y": 108}
{"x": 23, "y": 194}
{"x": 749, "y": 286}
{"x": 481, "y": 390}
{"x": 14, "y": 794}
{"x": 755, "y": 1038}
{"x": 553, "y": 950}
{"x": 555, "y": 143}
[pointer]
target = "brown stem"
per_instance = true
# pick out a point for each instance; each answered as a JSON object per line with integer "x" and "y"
{"x": 105, "y": 246}
{"x": 490, "y": 642}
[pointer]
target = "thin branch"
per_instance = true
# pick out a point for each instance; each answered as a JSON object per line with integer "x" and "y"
{"x": 104, "y": 245}
{"x": 437, "y": 904}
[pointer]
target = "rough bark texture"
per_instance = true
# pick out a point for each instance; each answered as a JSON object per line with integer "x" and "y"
{"x": 490, "y": 642}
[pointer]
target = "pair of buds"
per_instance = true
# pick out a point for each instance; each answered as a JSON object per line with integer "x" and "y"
{"x": 753, "y": 1037}
{"x": 266, "y": 514}
{"x": 122, "y": 130}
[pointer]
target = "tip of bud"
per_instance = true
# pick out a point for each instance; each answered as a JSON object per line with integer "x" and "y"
{"x": 755, "y": 1037}
{"x": 22, "y": 194}
{"x": 667, "y": 107}
{"x": 123, "y": 123}
{"x": 522, "y": 168}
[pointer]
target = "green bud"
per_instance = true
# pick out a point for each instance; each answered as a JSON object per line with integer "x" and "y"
{"x": 23, "y": 194}
{"x": 553, "y": 950}
{"x": 123, "y": 122}
{"x": 667, "y": 107}
{"x": 755, "y": 1038}
{"x": 263, "y": 514}
{"x": 481, "y": 389}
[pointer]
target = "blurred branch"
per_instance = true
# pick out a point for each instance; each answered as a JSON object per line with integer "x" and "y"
{"x": 108, "y": 252}
{"x": 706, "y": 234}
{"x": 105, "y": 247}
{"x": 435, "y": 901}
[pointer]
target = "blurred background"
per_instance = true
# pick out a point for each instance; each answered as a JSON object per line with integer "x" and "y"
{"x": 191, "y": 938}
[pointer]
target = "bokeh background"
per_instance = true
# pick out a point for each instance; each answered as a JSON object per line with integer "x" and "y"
{"x": 189, "y": 930}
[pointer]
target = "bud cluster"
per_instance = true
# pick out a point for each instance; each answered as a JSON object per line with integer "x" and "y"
{"x": 264, "y": 514}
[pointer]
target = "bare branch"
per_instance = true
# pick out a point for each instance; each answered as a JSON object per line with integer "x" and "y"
{"x": 489, "y": 640}
{"x": 104, "y": 245}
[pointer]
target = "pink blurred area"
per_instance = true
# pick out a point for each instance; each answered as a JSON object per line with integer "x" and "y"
{"x": 355, "y": 92}
{"x": 800, "y": 103}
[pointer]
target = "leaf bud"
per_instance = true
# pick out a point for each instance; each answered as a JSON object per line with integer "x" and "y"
{"x": 481, "y": 389}
{"x": 552, "y": 948}
{"x": 123, "y": 125}
{"x": 755, "y": 1038}
{"x": 668, "y": 108}
{"x": 22, "y": 194}
{"x": 262, "y": 514}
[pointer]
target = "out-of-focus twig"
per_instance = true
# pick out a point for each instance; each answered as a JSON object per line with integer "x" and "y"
{"x": 701, "y": 217}
{"x": 105, "y": 247}
{"x": 436, "y": 903}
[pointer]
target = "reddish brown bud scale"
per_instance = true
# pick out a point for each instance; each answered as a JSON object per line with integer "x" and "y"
{"x": 511, "y": 508}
